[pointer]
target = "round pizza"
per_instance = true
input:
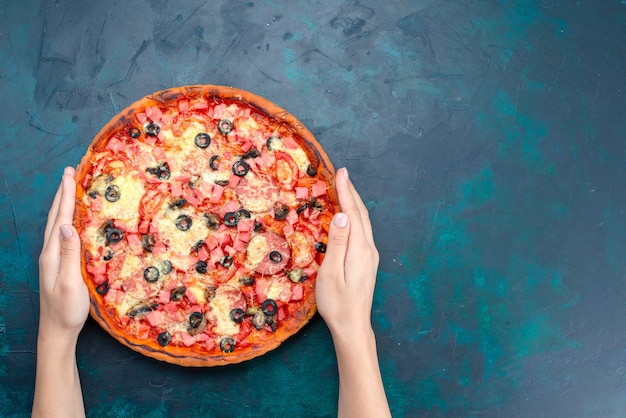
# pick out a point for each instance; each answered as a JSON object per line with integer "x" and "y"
{"x": 203, "y": 213}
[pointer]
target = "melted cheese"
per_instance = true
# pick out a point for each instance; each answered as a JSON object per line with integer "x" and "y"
{"x": 127, "y": 207}
{"x": 298, "y": 155}
{"x": 279, "y": 290}
{"x": 221, "y": 305}
{"x": 258, "y": 248}
{"x": 178, "y": 241}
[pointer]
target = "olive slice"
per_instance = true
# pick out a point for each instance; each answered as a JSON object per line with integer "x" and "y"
{"x": 109, "y": 255}
{"x": 213, "y": 162}
{"x": 201, "y": 267}
{"x": 316, "y": 204}
{"x": 231, "y": 219}
{"x": 251, "y": 153}
{"x": 311, "y": 170}
{"x": 162, "y": 171}
{"x": 112, "y": 193}
{"x": 212, "y": 221}
{"x": 237, "y": 315}
{"x": 165, "y": 267}
{"x": 227, "y": 345}
{"x": 275, "y": 257}
{"x": 226, "y": 261}
{"x": 202, "y": 140}
{"x": 114, "y": 235}
{"x": 178, "y": 203}
{"x": 320, "y": 247}
{"x": 183, "y": 222}
{"x": 152, "y": 129}
{"x": 247, "y": 281}
{"x": 297, "y": 275}
{"x": 134, "y": 133}
{"x": 280, "y": 211}
{"x": 243, "y": 213}
{"x": 273, "y": 143}
{"x": 141, "y": 310}
{"x": 269, "y": 307}
{"x": 195, "y": 319}
{"x": 257, "y": 225}
{"x": 102, "y": 288}
{"x": 147, "y": 242}
{"x": 225, "y": 126}
{"x": 222, "y": 183}
{"x": 164, "y": 338}
{"x": 302, "y": 208}
{"x": 178, "y": 293}
{"x": 151, "y": 274}
{"x": 240, "y": 168}
{"x": 211, "y": 291}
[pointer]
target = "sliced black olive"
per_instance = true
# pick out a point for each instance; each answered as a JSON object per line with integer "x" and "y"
{"x": 162, "y": 172}
{"x": 269, "y": 307}
{"x": 211, "y": 291}
{"x": 247, "y": 280}
{"x": 134, "y": 132}
{"x": 202, "y": 267}
{"x": 93, "y": 194}
{"x": 272, "y": 143}
{"x": 165, "y": 267}
{"x": 141, "y": 310}
{"x": 152, "y": 129}
{"x": 271, "y": 322}
{"x": 225, "y": 126}
{"x": 112, "y": 193}
{"x": 202, "y": 140}
{"x": 226, "y": 261}
{"x": 276, "y": 257}
{"x": 240, "y": 168}
{"x": 316, "y": 204}
{"x": 183, "y": 222}
{"x": 114, "y": 235}
{"x": 151, "y": 274}
{"x": 213, "y": 162}
{"x": 251, "y": 153}
{"x": 221, "y": 182}
{"x": 178, "y": 293}
{"x": 257, "y": 226}
{"x": 198, "y": 245}
{"x": 237, "y": 315}
{"x": 178, "y": 203}
{"x": 102, "y": 288}
{"x": 302, "y": 208}
{"x": 320, "y": 247}
{"x": 258, "y": 320}
{"x": 164, "y": 338}
{"x": 108, "y": 255}
{"x": 297, "y": 275}
{"x": 311, "y": 170}
{"x": 212, "y": 221}
{"x": 147, "y": 242}
{"x": 280, "y": 211}
{"x": 244, "y": 213}
{"x": 227, "y": 345}
{"x": 195, "y": 319}
{"x": 231, "y": 219}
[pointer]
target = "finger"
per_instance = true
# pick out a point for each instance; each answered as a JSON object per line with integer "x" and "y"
{"x": 365, "y": 217}
{"x": 349, "y": 205}
{"x": 65, "y": 213}
{"x": 52, "y": 215}
{"x": 69, "y": 270}
{"x": 337, "y": 246}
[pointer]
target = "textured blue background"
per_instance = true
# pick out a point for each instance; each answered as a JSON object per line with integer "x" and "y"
{"x": 488, "y": 139}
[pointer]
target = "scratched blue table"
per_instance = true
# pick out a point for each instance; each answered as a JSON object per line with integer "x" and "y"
{"x": 488, "y": 140}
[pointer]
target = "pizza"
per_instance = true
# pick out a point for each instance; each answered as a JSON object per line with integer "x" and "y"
{"x": 203, "y": 213}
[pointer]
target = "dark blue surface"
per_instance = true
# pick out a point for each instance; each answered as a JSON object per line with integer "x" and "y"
{"x": 487, "y": 139}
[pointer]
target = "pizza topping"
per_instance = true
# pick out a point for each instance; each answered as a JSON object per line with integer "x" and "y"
{"x": 240, "y": 168}
{"x": 226, "y": 261}
{"x": 275, "y": 257}
{"x": 269, "y": 307}
{"x": 280, "y": 211}
{"x": 213, "y": 162}
{"x": 162, "y": 171}
{"x": 151, "y": 129}
{"x": 178, "y": 203}
{"x": 202, "y": 140}
{"x": 296, "y": 275}
{"x": 302, "y": 208}
{"x": 141, "y": 310}
{"x": 211, "y": 292}
{"x": 113, "y": 235}
{"x": 112, "y": 193}
{"x": 147, "y": 242}
{"x": 227, "y": 345}
{"x": 225, "y": 126}
{"x": 195, "y": 319}
{"x": 320, "y": 247}
{"x": 258, "y": 317}
{"x": 251, "y": 153}
{"x": 178, "y": 293}
{"x": 183, "y": 222}
{"x": 102, "y": 288}
{"x": 202, "y": 267}
{"x": 231, "y": 219}
{"x": 151, "y": 274}
{"x": 134, "y": 133}
{"x": 165, "y": 267}
{"x": 164, "y": 338}
{"x": 212, "y": 221}
{"x": 311, "y": 170}
{"x": 237, "y": 315}
{"x": 273, "y": 143}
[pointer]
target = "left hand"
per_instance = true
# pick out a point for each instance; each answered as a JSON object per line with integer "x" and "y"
{"x": 64, "y": 298}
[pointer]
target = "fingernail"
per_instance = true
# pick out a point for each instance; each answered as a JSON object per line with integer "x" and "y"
{"x": 345, "y": 173}
{"x": 66, "y": 231}
{"x": 340, "y": 220}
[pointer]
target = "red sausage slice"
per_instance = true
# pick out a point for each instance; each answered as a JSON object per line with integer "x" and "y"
{"x": 268, "y": 253}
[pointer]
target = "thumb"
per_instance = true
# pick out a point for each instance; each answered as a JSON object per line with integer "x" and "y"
{"x": 70, "y": 251}
{"x": 337, "y": 242}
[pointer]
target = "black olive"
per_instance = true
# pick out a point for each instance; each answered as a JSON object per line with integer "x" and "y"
{"x": 257, "y": 226}
{"x": 247, "y": 281}
{"x": 102, "y": 288}
{"x": 152, "y": 129}
{"x": 251, "y": 153}
{"x": 151, "y": 274}
{"x": 271, "y": 322}
{"x": 276, "y": 257}
{"x": 320, "y": 247}
{"x": 93, "y": 194}
{"x": 311, "y": 170}
{"x": 164, "y": 338}
{"x": 226, "y": 261}
{"x": 178, "y": 293}
{"x": 108, "y": 255}
{"x": 225, "y": 126}
{"x": 211, "y": 291}
{"x": 269, "y": 307}
{"x": 195, "y": 319}
{"x": 134, "y": 132}
{"x": 237, "y": 315}
{"x": 198, "y": 245}
{"x": 147, "y": 242}
{"x": 231, "y": 219}
{"x": 212, "y": 221}
{"x": 227, "y": 345}
{"x": 213, "y": 161}
{"x": 112, "y": 193}
{"x": 114, "y": 235}
{"x": 162, "y": 172}
{"x": 302, "y": 208}
{"x": 240, "y": 168}
{"x": 202, "y": 140}
{"x": 202, "y": 267}
{"x": 165, "y": 267}
{"x": 183, "y": 222}
{"x": 297, "y": 275}
{"x": 178, "y": 203}
{"x": 280, "y": 211}
{"x": 141, "y": 310}
{"x": 316, "y": 204}
{"x": 272, "y": 143}
{"x": 221, "y": 182}
{"x": 243, "y": 213}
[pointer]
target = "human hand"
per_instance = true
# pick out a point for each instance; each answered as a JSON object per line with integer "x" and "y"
{"x": 347, "y": 276}
{"x": 64, "y": 299}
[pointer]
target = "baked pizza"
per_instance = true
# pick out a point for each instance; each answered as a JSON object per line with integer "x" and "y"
{"x": 203, "y": 213}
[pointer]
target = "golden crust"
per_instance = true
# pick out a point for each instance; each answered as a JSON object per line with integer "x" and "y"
{"x": 179, "y": 354}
